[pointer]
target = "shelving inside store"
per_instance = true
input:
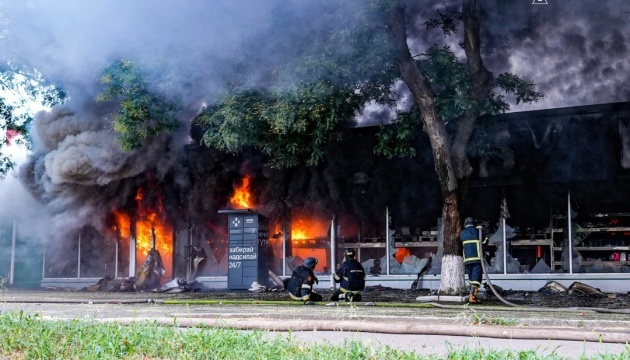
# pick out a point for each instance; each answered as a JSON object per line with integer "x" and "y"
{"x": 603, "y": 237}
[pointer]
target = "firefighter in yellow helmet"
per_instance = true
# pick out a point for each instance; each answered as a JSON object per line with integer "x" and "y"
{"x": 351, "y": 277}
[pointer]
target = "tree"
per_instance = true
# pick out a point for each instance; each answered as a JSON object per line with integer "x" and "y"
{"x": 451, "y": 161}
{"x": 144, "y": 111}
{"x": 22, "y": 91}
{"x": 301, "y": 101}
{"x": 442, "y": 87}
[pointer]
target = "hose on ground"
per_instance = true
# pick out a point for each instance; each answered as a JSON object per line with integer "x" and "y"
{"x": 500, "y": 332}
{"x": 567, "y": 309}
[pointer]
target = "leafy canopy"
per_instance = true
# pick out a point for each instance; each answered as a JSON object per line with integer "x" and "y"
{"x": 144, "y": 111}
{"x": 23, "y": 91}
{"x": 283, "y": 125}
{"x": 291, "y": 102}
{"x": 450, "y": 79}
{"x": 304, "y": 103}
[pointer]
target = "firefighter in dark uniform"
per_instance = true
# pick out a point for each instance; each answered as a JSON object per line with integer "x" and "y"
{"x": 351, "y": 277}
{"x": 300, "y": 286}
{"x": 472, "y": 257}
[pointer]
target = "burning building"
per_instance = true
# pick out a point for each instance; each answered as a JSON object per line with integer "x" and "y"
{"x": 551, "y": 185}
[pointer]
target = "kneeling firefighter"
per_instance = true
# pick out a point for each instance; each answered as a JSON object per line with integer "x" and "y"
{"x": 472, "y": 257}
{"x": 300, "y": 285}
{"x": 351, "y": 277}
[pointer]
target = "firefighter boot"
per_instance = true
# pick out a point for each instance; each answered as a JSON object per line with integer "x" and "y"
{"x": 472, "y": 299}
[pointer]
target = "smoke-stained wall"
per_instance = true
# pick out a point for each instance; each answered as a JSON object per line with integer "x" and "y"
{"x": 535, "y": 158}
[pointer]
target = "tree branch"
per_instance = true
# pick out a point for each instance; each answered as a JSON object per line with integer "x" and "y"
{"x": 482, "y": 83}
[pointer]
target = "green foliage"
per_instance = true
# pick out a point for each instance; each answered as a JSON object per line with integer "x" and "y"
{"x": 523, "y": 89}
{"x": 396, "y": 140}
{"x": 322, "y": 83}
{"x": 449, "y": 79}
{"x": 301, "y": 104}
{"x": 144, "y": 111}
{"x": 451, "y": 82}
{"x": 288, "y": 126}
{"x": 446, "y": 21}
{"x": 20, "y": 89}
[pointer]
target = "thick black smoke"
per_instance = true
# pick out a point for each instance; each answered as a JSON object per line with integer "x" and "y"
{"x": 574, "y": 51}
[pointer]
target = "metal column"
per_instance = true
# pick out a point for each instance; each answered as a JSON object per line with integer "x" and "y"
{"x": 284, "y": 246}
{"x": 116, "y": 258}
{"x": 79, "y": 258}
{"x": 387, "y": 239}
{"x": 570, "y": 232}
{"x": 132, "y": 256}
{"x": 504, "y": 247}
{"x": 12, "y": 263}
{"x": 333, "y": 247}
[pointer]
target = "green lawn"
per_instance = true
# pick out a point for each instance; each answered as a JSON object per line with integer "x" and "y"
{"x": 24, "y": 336}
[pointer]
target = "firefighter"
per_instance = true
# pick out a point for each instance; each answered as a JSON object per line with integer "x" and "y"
{"x": 351, "y": 275}
{"x": 300, "y": 286}
{"x": 472, "y": 257}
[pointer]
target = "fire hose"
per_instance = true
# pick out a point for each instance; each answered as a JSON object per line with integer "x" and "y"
{"x": 568, "y": 309}
{"x": 501, "y": 332}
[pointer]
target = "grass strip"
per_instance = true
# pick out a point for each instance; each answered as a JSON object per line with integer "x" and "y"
{"x": 28, "y": 336}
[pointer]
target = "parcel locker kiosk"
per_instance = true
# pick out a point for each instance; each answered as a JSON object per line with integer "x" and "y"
{"x": 248, "y": 239}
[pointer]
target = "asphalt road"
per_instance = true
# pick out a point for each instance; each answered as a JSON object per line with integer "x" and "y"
{"x": 424, "y": 330}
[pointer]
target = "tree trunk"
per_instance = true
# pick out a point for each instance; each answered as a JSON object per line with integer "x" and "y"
{"x": 452, "y": 279}
{"x": 452, "y": 276}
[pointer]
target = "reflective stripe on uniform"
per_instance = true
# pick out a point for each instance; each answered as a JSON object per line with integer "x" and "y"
{"x": 474, "y": 283}
{"x": 348, "y": 291}
{"x": 307, "y": 286}
{"x": 477, "y": 244}
{"x": 337, "y": 277}
{"x": 297, "y": 298}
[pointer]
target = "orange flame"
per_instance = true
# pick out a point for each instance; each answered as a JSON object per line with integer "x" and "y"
{"x": 242, "y": 197}
{"x": 149, "y": 225}
{"x": 122, "y": 224}
{"x": 302, "y": 229}
{"x": 401, "y": 254}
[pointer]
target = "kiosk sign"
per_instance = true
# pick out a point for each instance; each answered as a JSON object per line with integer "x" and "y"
{"x": 243, "y": 248}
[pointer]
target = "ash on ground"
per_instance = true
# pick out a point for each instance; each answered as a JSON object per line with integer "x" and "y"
{"x": 380, "y": 294}
{"x": 552, "y": 294}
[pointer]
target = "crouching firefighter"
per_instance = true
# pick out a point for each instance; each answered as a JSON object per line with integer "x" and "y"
{"x": 351, "y": 277}
{"x": 472, "y": 257}
{"x": 300, "y": 285}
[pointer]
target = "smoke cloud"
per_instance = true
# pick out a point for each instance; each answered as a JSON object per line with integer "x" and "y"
{"x": 574, "y": 51}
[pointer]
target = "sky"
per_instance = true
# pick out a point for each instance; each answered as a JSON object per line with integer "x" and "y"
{"x": 574, "y": 51}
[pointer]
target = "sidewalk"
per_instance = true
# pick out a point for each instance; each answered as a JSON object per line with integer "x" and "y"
{"x": 424, "y": 328}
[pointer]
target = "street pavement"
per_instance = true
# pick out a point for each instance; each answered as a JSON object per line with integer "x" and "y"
{"x": 380, "y": 320}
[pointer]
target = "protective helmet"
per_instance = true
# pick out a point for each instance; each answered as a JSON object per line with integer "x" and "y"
{"x": 469, "y": 222}
{"x": 310, "y": 263}
{"x": 348, "y": 253}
